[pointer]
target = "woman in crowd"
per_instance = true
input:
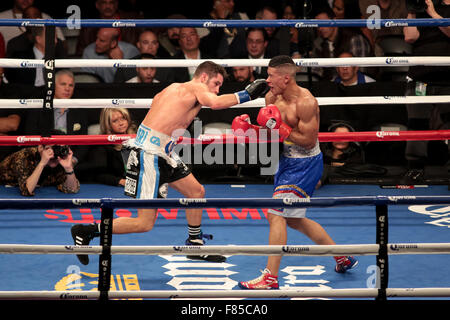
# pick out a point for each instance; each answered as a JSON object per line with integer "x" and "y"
{"x": 109, "y": 162}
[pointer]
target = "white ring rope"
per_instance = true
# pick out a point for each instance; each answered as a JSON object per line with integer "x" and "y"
{"x": 178, "y": 63}
{"x": 217, "y": 294}
{"x": 133, "y": 103}
{"x": 255, "y": 250}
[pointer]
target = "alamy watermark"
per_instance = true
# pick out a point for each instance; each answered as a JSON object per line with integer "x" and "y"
{"x": 74, "y": 20}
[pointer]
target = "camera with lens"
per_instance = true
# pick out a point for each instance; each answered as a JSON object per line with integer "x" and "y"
{"x": 60, "y": 151}
{"x": 419, "y": 5}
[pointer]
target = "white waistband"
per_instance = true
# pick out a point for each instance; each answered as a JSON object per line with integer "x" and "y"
{"x": 153, "y": 142}
{"x": 291, "y": 150}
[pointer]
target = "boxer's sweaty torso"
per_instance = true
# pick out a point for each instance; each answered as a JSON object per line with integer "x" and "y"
{"x": 172, "y": 109}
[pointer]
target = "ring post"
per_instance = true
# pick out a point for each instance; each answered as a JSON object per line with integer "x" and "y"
{"x": 382, "y": 257}
{"x": 104, "y": 273}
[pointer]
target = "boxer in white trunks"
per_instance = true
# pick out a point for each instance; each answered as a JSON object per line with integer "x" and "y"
{"x": 152, "y": 165}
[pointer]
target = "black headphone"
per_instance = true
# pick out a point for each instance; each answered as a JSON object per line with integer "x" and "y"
{"x": 338, "y": 124}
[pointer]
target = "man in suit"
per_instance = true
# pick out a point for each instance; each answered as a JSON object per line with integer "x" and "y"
{"x": 30, "y": 76}
{"x": 189, "y": 49}
{"x": 71, "y": 121}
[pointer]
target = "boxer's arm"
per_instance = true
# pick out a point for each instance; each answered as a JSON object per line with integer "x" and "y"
{"x": 306, "y": 132}
{"x": 216, "y": 102}
{"x": 252, "y": 91}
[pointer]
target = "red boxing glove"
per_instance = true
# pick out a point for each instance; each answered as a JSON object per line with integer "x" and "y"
{"x": 242, "y": 124}
{"x": 270, "y": 117}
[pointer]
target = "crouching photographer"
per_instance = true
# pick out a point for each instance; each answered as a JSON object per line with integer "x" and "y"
{"x": 44, "y": 165}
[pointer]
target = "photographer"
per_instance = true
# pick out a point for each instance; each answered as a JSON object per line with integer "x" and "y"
{"x": 427, "y": 80}
{"x": 40, "y": 166}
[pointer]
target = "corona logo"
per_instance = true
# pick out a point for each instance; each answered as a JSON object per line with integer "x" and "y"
{"x": 290, "y": 201}
{"x": 187, "y": 201}
{"x": 382, "y": 134}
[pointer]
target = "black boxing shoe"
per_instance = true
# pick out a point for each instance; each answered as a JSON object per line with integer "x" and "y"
{"x": 82, "y": 236}
{"x": 206, "y": 257}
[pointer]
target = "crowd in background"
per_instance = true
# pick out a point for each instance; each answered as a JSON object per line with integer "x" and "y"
{"x": 214, "y": 43}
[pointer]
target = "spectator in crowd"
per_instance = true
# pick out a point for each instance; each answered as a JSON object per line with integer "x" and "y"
{"x": 294, "y": 47}
{"x": 389, "y": 9}
{"x": 2, "y": 46}
{"x": 243, "y": 75}
{"x": 24, "y": 41}
{"x": 427, "y": 80}
{"x": 16, "y": 12}
{"x": 106, "y": 163}
{"x": 340, "y": 153}
{"x": 109, "y": 9}
{"x": 189, "y": 49}
{"x": 278, "y": 38}
{"x": 71, "y": 121}
{"x": 350, "y": 75}
{"x": 332, "y": 40}
{"x": 224, "y": 42}
{"x": 10, "y": 120}
{"x": 256, "y": 44}
{"x": 145, "y": 74}
{"x": 108, "y": 46}
{"x": 30, "y": 76}
{"x": 44, "y": 165}
{"x": 147, "y": 44}
{"x": 168, "y": 39}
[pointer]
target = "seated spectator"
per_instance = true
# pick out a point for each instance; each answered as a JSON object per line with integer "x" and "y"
{"x": 145, "y": 74}
{"x": 389, "y": 9}
{"x": 168, "y": 39}
{"x": 24, "y": 41}
{"x": 224, "y": 43}
{"x": 71, "y": 121}
{"x": 108, "y": 46}
{"x": 189, "y": 49}
{"x": 16, "y": 12}
{"x": 340, "y": 154}
{"x": 2, "y": 46}
{"x": 278, "y": 38}
{"x": 31, "y": 76}
{"x": 106, "y": 164}
{"x": 350, "y": 75}
{"x": 31, "y": 167}
{"x": 109, "y": 9}
{"x": 10, "y": 120}
{"x": 294, "y": 47}
{"x": 332, "y": 40}
{"x": 147, "y": 44}
{"x": 243, "y": 74}
{"x": 256, "y": 45}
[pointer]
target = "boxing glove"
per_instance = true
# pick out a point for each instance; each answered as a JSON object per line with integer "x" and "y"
{"x": 256, "y": 89}
{"x": 242, "y": 124}
{"x": 270, "y": 117}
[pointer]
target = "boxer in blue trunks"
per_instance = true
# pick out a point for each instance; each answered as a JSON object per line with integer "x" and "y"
{"x": 294, "y": 112}
{"x": 152, "y": 166}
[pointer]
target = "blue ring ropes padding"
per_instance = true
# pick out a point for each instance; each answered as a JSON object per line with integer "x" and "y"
{"x": 167, "y": 23}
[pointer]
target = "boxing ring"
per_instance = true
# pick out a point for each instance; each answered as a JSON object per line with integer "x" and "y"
{"x": 382, "y": 249}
